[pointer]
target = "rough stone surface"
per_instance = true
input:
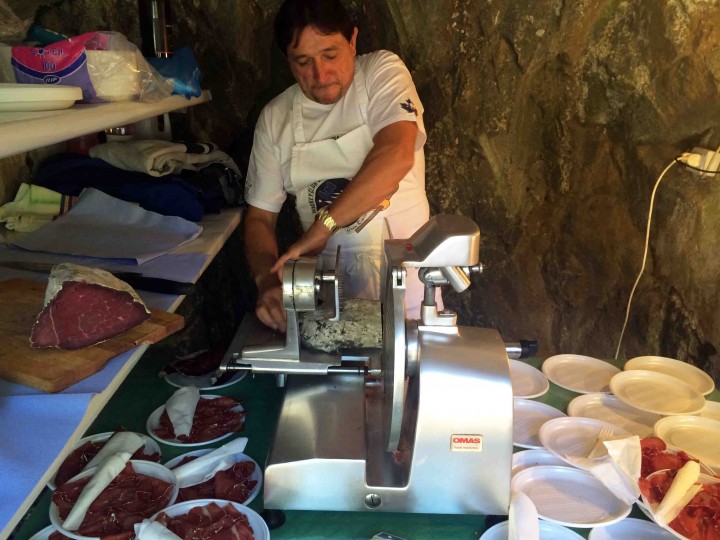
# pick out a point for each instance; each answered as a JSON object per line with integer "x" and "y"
{"x": 549, "y": 123}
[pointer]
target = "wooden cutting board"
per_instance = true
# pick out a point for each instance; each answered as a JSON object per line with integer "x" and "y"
{"x": 53, "y": 370}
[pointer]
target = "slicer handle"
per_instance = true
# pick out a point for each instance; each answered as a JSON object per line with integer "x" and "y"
{"x": 521, "y": 349}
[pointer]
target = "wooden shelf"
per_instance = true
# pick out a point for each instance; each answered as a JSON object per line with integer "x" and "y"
{"x": 23, "y": 131}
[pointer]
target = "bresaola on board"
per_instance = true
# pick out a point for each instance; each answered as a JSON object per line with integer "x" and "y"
{"x": 85, "y": 306}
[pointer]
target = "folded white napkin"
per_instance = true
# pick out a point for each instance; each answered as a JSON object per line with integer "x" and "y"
{"x": 156, "y": 157}
{"x": 619, "y": 470}
{"x": 523, "y": 518}
{"x": 152, "y": 530}
{"x": 181, "y": 409}
{"x": 203, "y": 468}
{"x": 122, "y": 441}
{"x": 110, "y": 468}
{"x": 682, "y": 490}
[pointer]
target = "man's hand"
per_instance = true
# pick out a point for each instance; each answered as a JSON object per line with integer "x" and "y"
{"x": 269, "y": 308}
{"x": 312, "y": 242}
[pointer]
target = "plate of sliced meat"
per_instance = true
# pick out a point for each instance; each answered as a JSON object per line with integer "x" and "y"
{"x": 240, "y": 483}
{"x": 225, "y": 518}
{"x": 216, "y": 418}
{"x": 86, "y": 452}
{"x": 683, "y": 501}
{"x": 144, "y": 488}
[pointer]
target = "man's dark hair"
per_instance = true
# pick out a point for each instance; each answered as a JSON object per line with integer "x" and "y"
{"x": 326, "y": 16}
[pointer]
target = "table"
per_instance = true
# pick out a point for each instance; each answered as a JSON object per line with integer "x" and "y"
{"x": 143, "y": 391}
{"x": 86, "y": 399}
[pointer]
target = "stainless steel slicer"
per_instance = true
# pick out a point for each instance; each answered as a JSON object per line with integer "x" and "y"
{"x": 423, "y": 425}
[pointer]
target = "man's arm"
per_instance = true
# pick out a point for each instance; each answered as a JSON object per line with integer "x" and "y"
{"x": 390, "y": 159}
{"x": 262, "y": 251}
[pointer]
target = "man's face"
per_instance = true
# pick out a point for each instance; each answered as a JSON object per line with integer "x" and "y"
{"x": 323, "y": 65}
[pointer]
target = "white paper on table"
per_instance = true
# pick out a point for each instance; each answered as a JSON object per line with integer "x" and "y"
{"x": 152, "y": 530}
{"x": 205, "y": 467}
{"x": 181, "y": 409}
{"x": 619, "y": 471}
{"x": 523, "y": 518}
{"x": 100, "y": 480}
{"x": 103, "y": 226}
{"x": 122, "y": 441}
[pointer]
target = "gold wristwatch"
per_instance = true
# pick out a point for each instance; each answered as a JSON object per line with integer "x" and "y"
{"x": 324, "y": 217}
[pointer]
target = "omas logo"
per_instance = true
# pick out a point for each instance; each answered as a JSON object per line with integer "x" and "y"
{"x": 51, "y": 79}
{"x": 466, "y": 443}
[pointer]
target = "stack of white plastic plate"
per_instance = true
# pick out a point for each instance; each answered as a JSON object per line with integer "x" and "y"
{"x": 696, "y": 435}
{"x": 689, "y": 374}
{"x": 528, "y": 417}
{"x": 527, "y": 381}
{"x": 573, "y": 437}
{"x": 37, "y": 97}
{"x": 581, "y": 374}
{"x": 548, "y": 531}
{"x": 532, "y": 458}
{"x": 569, "y": 496}
{"x": 610, "y": 409}
{"x": 657, "y": 393}
{"x": 631, "y": 528}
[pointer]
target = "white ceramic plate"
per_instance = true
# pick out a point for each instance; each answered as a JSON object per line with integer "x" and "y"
{"x": 151, "y": 447}
{"x": 656, "y": 393}
{"x": 631, "y": 528}
{"x": 570, "y": 497}
{"x": 581, "y": 374}
{"x": 147, "y": 468}
{"x": 260, "y": 529}
{"x": 532, "y": 458}
{"x": 610, "y": 409}
{"x": 695, "y": 377}
{"x": 256, "y": 475}
{"x": 696, "y": 435}
{"x": 527, "y": 381}
{"x": 548, "y": 531}
{"x": 203, "y": 382}
{"x": 37, "y": 97}
{"x": 528, "y": 416}
{"x": 710, "y": 410}
{"x": 153, "y": 422}
{"x": 575, "y": 436}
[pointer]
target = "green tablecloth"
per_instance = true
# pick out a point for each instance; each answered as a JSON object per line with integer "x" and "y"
{"x": 143, "y": 391}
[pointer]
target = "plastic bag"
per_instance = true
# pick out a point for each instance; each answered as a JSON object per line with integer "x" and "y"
{"x": 182, "y": 69}
{"x": 12, "y": 27}
{"x": 104, "y": 64}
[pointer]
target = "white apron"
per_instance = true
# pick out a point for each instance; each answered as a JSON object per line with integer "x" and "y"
{"x": 318, "y": 172}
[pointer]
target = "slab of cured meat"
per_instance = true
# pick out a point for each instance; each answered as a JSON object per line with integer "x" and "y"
{"x": 85, "y": 306}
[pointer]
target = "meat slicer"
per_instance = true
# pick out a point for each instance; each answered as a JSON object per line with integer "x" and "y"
{"x": 423, "y": 425}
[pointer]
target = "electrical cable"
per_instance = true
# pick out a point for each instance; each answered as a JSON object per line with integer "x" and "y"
{"x": 644, "y": 260}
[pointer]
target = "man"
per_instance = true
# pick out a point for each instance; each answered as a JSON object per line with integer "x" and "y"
{"x": 345, "y": 140}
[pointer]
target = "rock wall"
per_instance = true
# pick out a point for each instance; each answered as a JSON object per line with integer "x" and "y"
{"x": 549, "y": 123}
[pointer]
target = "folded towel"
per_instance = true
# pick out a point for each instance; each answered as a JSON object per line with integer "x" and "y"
{"x": 33, "y": 207}
{"x": 159, "y": 158}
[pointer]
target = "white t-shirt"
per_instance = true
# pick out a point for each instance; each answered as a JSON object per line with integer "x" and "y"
{"x": 392, "y": 98}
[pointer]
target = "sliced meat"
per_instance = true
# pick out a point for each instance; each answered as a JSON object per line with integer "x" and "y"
{"x": 81, "y": 456}
{"x": 656, "y": 457}
{"x": 210, "y": 522}
{"x": 85, "y": 306}
{"x": 232, "y": 484}
{"x": 128, "y": 499}
{"x": 213, "y": 418}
